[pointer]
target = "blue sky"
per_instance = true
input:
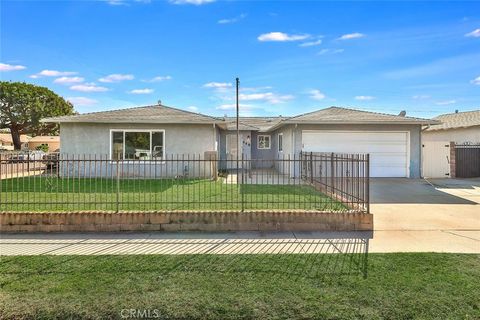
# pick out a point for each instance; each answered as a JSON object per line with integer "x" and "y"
{"x": 291, "y": 57}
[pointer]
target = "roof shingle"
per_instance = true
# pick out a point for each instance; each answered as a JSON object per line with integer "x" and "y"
{"x": 456, "y": 120}
{"x": 147, "y": 114}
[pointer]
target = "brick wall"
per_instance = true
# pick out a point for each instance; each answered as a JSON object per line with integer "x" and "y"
{"x": 185, "y": 221}
{"x": 452, "y": 160}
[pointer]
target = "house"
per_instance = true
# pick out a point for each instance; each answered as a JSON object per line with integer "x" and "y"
{"x": 51, "y": 142}
{"x": 6, "y": 141}
{"x": 451, "y": 148}
{"x": 458, "y": 127}
{"x": 154, "y": 132}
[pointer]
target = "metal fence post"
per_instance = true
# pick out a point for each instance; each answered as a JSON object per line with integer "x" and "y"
{"x": 332, "y": 176}
{"x": 311, "y": 167}
{"x": 367, "y": 176}
{"x": 241, "y": 184}
{"x": 117, "y": 209}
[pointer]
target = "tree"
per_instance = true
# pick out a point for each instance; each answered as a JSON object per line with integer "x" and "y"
{"x": 23, "y": 105}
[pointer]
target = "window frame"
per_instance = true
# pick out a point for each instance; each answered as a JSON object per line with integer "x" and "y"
{"x": 269, "y": 141}
{"x": 151, "y": 131}
{"x": 280, "y": 145}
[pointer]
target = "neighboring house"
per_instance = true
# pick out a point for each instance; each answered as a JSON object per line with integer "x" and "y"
{"x": 52, "y": 142}
{"x": 458, "y": 127}
{"x": 154, "y": 132}
{"x": 449, "y": 147}
{"x": 6, "y": 141}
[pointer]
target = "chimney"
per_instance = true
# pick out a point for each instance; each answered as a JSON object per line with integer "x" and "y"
{"x": 402, "y": 113}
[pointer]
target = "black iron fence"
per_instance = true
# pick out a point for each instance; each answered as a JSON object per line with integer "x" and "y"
{"x": 60, "y": 182}
{"x": 467, "y": 160}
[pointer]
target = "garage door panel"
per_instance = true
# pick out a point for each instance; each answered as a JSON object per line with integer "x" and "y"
{"x": 388, "y": 150}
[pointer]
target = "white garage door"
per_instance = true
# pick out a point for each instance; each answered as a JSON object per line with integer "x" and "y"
{"x": 388, "y": 150}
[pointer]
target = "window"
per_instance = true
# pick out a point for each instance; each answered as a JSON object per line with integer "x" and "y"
{"x": 263, "y": 142}
{"x": 137, "y": 144}
{"x": 280, "y": 142}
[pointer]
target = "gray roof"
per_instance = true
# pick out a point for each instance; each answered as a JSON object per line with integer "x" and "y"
{"x": 164, "y": 114}
{"x": 337, "y": 115}
{"x": 456, "y": 120}
{"x": 252, "y": 123}
{"x": 147, "y": 114}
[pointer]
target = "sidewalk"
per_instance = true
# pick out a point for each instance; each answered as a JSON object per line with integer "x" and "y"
{"x": 241, "y": 242}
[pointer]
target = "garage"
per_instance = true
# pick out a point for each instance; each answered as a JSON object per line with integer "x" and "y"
{"x": 389, "y": 155}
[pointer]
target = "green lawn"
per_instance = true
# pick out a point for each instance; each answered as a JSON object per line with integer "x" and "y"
{"x": 61, "y": 194}
{"x": 398, "y": 286}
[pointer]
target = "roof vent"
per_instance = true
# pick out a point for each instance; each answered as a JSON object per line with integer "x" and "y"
{"x": 456, "y": 110}
{"x": 159, "y": 102}
{"x": 402, "y": 113}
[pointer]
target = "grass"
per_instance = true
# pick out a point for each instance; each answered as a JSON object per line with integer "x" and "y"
{"x": 77, "y": 194}
{"x": 398, "y": 286}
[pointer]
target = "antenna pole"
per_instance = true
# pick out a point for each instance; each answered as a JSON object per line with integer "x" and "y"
{"x": 237, "y": 84}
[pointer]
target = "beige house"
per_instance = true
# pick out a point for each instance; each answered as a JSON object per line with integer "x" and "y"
{"x": 458, "y": 127}
{"x": 6, "y": 141}
{"x": 53, "y": 142}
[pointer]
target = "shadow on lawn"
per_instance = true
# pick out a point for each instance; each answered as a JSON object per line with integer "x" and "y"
{"x": 301, "y": 255}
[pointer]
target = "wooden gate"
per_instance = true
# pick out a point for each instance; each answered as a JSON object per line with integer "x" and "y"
{"x": 467, "y": 161}
{"x": 435, "y": 159}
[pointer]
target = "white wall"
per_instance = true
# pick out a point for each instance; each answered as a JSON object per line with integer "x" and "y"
{"x": 459, "y": 136}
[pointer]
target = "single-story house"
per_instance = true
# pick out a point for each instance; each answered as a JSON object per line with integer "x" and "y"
{"x": 458, "y": 127}
{"x": 52, "y": 142}
{"x": 154, "y": 132}
{"x": 6, "y": 141}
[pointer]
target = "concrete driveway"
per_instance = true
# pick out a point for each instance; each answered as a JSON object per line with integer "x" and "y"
{"x": 440, "y": 215}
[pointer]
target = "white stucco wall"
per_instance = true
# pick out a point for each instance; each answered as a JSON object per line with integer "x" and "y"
{"x": 94, "y": 138}
{"x": 459, "y": 136}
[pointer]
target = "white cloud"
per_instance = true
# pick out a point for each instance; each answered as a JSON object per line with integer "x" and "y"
{"x": 316, "y": 94}
{"x": 88, "y": 87}
{"x": 349, "y": 36}
{"x": 52, "y": 73}
{"x": 217, "y": 85}
{"x": 475, "y": 34}
{"x": 82, "y": 101}
{"x": 232, "y": 20}
{"x": 116, "y": 2}
{"x": 68, "y": 80}
{"x": 364, "y": 98}
{"x": 158, "y": 79}
{"x": 330, "y": 51}
{"x": 446, "y": 102}
{"x": 476, "y": 81}
{"x": 280, "y": 36}
{"x": 233, "y": 106}
{"x": 420, "y": 97}
{"x": 116, "y": 77}
{"x": 192, "y": 108}
{"x": 311, "y": 43}
{"x": 141, "y": 91}
{"x": 11, "y": 67}
{"x": 194, "y": 2}
{"x": 269, "y": 97}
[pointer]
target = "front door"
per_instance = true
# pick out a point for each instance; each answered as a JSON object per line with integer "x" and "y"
{"x": 232, "y": 151}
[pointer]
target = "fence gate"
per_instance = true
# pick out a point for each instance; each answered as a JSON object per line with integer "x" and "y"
{"x": 436, "y": 159}
{"x": 467, "y": 161}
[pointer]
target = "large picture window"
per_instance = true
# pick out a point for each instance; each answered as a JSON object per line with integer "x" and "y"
{"x": 263, "y": 142}
{"x": 137, "y": 144}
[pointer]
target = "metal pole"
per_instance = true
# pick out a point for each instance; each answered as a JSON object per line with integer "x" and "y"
{"x": 237, "y": 84}
{"x": 118, "y": 188}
